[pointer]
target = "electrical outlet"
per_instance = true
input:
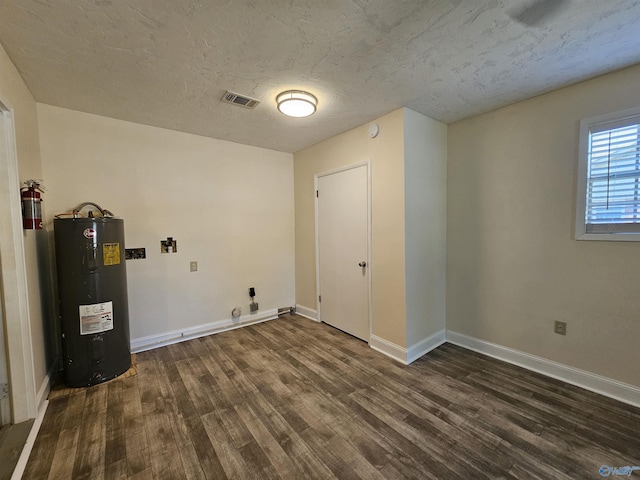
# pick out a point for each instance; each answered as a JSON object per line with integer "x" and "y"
{"x": 193, "y": 266}
{"x": 560, "y": 328}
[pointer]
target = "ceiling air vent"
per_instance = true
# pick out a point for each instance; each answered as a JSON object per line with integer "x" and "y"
{"x": 240, "y": 100}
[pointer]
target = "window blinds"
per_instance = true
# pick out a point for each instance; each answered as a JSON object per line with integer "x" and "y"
{"x": 613, "y": 181}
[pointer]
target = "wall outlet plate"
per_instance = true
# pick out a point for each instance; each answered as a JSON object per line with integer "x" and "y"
{"x": 193, "y": 266}
{"x": 560, "y": 328}
{"x": 253, "y": 306}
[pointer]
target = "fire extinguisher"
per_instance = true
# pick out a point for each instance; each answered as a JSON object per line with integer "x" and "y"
{"x": 31, "y": 208}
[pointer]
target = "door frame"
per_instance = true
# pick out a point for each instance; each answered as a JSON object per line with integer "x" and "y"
{"x": 316, "y": 178}
{"x": 15, "y": 306}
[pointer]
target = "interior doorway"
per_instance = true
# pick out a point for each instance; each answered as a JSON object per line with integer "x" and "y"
{"x": 16, "y": 348}
{"x": 343, "y": 234}
{"x": 5, "y": 402}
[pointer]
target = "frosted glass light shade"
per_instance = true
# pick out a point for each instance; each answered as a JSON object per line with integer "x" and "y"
{"x": 296, "y": 103}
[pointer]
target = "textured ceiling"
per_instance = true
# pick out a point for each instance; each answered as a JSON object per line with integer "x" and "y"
{"x": 168, "y": 62}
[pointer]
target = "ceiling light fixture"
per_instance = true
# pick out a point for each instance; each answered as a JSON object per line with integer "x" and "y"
{"x": 296, "y": 103}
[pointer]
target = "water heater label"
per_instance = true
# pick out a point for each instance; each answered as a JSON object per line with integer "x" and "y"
{"x": 96, "y": 318}
{"x": 111, "y": 254}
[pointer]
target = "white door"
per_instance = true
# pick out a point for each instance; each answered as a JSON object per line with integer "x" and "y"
{"x": 343, "y": 249}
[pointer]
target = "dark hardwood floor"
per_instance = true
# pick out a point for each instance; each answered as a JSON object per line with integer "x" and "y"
{"x": 12, "y": 441}
{"x": 294, "y": 399}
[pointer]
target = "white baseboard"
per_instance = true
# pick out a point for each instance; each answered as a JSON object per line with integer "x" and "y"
{"x": 45, "y": 387}
{"x": 388, "y": 348}
{"x": 411, "y": 354}
{"x": 425, "y": 345}
{"x": 31, "y": 440}
{"x": 306, "y": 312}
{"x": 176, "y": 336}
{"x": 589, "y": 381}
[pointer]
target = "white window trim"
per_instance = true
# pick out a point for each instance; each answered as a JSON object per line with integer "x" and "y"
{"x": 583, "y": 152}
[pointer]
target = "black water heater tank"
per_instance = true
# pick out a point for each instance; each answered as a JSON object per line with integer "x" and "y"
{"x": 92, "y": 286}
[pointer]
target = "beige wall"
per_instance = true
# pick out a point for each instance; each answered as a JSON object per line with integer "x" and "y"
{"x": 425, "y": 173}
{"x": 229, "y": 207}
{"x": 387, "y": 266}
{"x": 513, "y": 266}
{"x": 15, "y": 96}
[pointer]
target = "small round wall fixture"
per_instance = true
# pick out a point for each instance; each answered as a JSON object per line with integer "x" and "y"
{"x": 296, "y": 103}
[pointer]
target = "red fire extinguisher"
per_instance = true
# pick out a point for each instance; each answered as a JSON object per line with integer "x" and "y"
{"x": 31, "y": 208}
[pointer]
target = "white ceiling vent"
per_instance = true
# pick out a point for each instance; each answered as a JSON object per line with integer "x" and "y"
{"x": 240, "y": 100}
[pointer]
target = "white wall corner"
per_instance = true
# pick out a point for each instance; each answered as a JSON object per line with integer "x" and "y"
{"x": 389, "y": 349}
{"x": 425, "y": 345}
{"x": 411, "y": 354}
{"x": 589, "y": 381}
{"x": 176, "y": 336}
{"x": 306, "y": 312}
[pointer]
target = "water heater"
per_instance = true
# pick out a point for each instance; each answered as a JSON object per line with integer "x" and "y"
{"x": 92, "y": 286}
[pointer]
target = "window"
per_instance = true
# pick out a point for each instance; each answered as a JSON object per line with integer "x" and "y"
{"x": 608, "y": 206}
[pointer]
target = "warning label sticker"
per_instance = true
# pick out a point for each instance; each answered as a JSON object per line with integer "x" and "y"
{"x": 111, "y": 254}
{"x": 96, "y": 318}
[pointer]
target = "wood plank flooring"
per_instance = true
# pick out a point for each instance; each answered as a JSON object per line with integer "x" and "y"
{"x": 294, "y": 399}
{"x": 12, "y": 441}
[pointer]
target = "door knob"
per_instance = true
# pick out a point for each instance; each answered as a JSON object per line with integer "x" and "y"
{"x": 362, "y": 264}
